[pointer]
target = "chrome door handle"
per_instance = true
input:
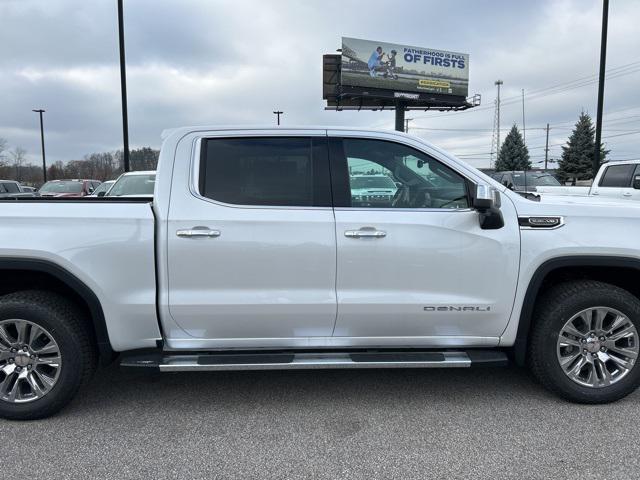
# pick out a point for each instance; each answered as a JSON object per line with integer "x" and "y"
{"x": 365, "y": 232}
{"x": 626, "y": 194}
{"x": 198, "y": 232}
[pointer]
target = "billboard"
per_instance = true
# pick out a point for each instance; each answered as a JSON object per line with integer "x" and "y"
{"x": 403, "y": 68}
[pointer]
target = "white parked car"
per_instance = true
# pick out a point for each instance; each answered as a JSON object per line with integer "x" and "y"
{"x": 253, "y": 254}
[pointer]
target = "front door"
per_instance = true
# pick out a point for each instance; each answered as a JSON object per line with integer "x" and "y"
{"x": 251, "y": 243}
{"x": 414, "y": 266}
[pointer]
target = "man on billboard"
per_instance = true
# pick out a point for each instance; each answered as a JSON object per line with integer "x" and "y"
{"x": 375, "y": 61}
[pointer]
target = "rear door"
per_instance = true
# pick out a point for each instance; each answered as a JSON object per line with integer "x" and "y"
{"x": 251, "y": 242}
{"x": 630, "y": 192}
{"x": 614, "y": 181}
{"x": 419, "y": 269}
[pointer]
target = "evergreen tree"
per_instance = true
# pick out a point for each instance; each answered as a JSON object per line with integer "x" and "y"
{"x": 577, "y": 155}
{"x": 514, "y": 154}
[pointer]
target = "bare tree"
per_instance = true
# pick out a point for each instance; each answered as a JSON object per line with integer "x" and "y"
{"x": 3, "y": 148}
{"x": 18, "y": 157}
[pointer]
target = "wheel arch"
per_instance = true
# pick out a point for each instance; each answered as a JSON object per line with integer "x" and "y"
{"x": 48, "y": 275}
{"x": 620, "y": 271}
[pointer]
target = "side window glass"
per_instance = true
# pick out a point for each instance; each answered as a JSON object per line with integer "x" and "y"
{"x": 12, "y": 187}
{"x": 389, "y": 175}
{"x": 277, "y": 171}
{"x": 617, "y": 176}
{"x": 2, "y": 189}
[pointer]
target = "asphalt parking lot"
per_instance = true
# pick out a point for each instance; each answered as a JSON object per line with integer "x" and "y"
{"x": 473, "y": 423}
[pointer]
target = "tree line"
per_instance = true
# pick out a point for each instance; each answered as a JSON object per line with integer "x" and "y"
{"x": 95, "y": 166}
{"x": 576, "y": 162}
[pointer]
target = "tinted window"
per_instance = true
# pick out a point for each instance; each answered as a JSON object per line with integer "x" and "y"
{"x": 265, "y": 171}
{"x": 12, "y": 187}
{"x": 2, "y": 189}
{"x": 412, "y": 179}
{"x": 617, "y": 176}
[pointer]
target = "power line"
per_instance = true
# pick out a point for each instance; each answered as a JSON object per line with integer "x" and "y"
{"x": 614, "y": 72}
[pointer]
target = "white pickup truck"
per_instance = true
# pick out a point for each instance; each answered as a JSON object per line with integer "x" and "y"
{"x": 253, "y": 255}
{"x": 617, "y": 180}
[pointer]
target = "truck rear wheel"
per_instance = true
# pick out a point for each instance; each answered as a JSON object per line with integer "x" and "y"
{"x": 46, "y": 354}
{"x": 585, "y": 342}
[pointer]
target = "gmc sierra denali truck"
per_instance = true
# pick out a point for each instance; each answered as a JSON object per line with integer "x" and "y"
{"x": 253, "y": 254}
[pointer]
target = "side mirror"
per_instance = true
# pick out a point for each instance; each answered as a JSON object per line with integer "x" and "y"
{"x": 636, "y": 182}
{"x": 486, "y": 200}
{"x": 101, "y": 194}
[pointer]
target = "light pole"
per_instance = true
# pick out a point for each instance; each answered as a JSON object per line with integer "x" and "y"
{"x": 44, "y": 163}
{"x": 603, "y": 62}
{"x": 278, "y": 113}
{"x": 123, "y": 87}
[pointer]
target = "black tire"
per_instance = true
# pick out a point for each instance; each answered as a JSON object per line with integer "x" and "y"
{"x": 65, "y": 322}
{"x": 554, "y": 309}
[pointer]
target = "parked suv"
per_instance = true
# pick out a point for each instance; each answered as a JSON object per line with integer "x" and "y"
{"x": 11, "y": 188}
{"x": 372, "y": 190}
{"x": 529, "y": 181}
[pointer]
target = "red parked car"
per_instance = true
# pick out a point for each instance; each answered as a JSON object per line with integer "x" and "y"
{"x": 68, "y": 188}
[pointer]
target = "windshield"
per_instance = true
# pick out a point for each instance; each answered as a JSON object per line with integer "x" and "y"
{"x": 64, "y": 186}
{"x": 535, "y": 179}
{"x": 381, "y": 181}
{"x": 103, "y": 187}
{"x": 133, "y": 185}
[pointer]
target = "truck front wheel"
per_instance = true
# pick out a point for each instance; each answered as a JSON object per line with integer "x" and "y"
{"x": 585, "y": 342}
{"x": 46, "y": 354}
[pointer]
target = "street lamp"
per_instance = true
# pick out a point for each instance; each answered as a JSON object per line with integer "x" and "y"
{"x": 44, "y": 163}
{"x": 123, "y": 88}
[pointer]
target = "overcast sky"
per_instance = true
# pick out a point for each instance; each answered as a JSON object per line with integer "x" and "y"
{"x": 233, "y": 62}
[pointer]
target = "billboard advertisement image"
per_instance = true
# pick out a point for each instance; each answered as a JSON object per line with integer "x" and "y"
{"x": 403, "y": 68}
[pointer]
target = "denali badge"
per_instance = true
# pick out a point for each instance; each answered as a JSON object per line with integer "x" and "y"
{"x": 453, "y": 308}
{"x": 540, "y": 222}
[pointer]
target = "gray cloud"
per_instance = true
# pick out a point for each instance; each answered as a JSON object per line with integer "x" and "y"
{"x": 233, "y": 62}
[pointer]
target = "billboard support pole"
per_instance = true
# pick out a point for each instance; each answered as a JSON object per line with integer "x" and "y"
{"x": 400, "y": 109}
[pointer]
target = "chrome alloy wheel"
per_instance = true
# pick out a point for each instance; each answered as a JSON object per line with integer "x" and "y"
{"x": 597, "y": 347}
{"x": 30, "y": 361}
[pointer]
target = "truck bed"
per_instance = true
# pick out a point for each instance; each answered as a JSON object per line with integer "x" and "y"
{"x": 106, "y": 243}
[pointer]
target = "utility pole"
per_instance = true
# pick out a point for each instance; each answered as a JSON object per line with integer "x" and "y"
{"x": 603, "y": 62}
{"x": 44, "y": 162}
{"x": 406, "y": 124}
{"x": 278, "y": 113}
{"x": 546, "y": 150}
{"x": 123, "y": 88}
{"x": 524, "y": 128}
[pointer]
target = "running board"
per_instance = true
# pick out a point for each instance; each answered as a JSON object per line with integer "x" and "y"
{"x": 315, "y": 360}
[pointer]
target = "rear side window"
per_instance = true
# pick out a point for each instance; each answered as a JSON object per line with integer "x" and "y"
{"x": 2, "y": 189}
{"x": 617, "y": 176}
{"x": 282, "y": 171}
{"x": 11, "y": 187}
